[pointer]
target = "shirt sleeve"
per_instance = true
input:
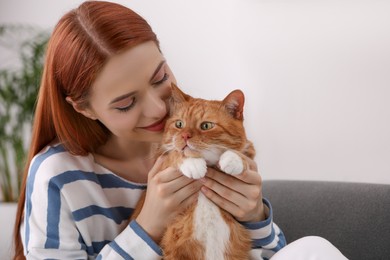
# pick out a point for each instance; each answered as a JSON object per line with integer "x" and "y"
{"x": 132, "y": 243}
{"x": 267, "y": 237}
{"x": 49, "y": 229}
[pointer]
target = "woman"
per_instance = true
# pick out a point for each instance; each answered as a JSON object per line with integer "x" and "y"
{"x": 101, "y": 110}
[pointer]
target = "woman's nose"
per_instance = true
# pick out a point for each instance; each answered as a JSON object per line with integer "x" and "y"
{"x": 154, "y": 106}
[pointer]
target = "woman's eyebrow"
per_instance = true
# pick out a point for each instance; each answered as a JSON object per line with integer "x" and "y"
{"x": 133, "y": 92}
{"x": 122, "y": 97}
{"x": 157, "y": 70}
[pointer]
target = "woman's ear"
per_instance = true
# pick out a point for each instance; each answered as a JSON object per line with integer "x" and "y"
{"x": 85, "y": 111}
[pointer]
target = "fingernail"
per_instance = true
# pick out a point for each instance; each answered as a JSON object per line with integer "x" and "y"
{"x": 202, "y": 180}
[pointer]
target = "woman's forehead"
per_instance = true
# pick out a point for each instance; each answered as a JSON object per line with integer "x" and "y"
{"x": 133, "y": 67}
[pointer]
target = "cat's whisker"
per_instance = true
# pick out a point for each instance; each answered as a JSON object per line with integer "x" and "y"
{"x": 214, "y": 146}
{"x": 164, "y": 152}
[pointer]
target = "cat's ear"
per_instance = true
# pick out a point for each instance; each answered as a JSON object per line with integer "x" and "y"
{"x": 234, "y": 104}
{"x": 177, "y": 95}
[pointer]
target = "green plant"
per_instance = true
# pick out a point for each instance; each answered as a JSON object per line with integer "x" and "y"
{"x": 18, "y": 91}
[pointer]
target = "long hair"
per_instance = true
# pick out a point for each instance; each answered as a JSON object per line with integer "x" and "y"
{"x": 80, "y": 45}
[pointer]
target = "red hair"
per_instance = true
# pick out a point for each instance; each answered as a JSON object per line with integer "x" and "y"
{"x": 81, "y": 43}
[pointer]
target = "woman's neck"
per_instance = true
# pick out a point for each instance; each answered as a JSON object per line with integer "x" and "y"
{"x": 124, "y": 150}
{"x": 131, "y": 160}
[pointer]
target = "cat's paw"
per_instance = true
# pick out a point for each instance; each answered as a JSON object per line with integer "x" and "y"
{"x": 231, "y": 163}
{"x": 194, "y": 168}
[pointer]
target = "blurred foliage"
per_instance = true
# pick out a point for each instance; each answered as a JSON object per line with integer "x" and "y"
{"x": 18, "y": 91}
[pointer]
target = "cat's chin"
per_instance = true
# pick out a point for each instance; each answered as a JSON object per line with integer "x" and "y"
{"x": 188, "y": 152}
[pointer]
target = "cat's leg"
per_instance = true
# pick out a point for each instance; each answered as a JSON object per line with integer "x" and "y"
{"x": 178, "y": 242}
{"x": 231, "y": 163}
{"x": 194, "y": 168}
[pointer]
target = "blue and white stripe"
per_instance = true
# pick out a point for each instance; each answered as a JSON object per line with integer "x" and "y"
{"x": 76, "y": 205}
{"x": 267, "y": 238}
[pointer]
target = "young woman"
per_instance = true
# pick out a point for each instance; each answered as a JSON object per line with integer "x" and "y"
{"x": 101, "y": 110}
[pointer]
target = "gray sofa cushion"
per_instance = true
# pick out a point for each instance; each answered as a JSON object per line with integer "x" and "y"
{"x": 355, "y": 217}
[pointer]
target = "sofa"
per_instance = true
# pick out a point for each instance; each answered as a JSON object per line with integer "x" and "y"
{"x": 355, "y": 217}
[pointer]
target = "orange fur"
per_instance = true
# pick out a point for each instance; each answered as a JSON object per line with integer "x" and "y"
{"x": 191, "y": 140}
{"x": 177, "y": 242}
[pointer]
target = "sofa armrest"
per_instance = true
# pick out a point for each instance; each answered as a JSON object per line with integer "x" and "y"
{"x": 355, "y": 217}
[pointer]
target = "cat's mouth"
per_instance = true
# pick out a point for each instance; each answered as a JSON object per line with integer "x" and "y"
{"x": 188, "y": 145}
{"x": 185, "y": 147}
{"x": 190, "y": 151}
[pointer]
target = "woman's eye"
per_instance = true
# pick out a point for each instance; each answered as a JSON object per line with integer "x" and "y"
{"x": 206, "y": 125}
{"x": 179, "y": 124}
{"x": 164, "y": 78}
{"x": 128, "y": 106}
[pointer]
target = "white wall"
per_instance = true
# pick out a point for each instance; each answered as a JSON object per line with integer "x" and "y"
{"x": 316, "y": 74}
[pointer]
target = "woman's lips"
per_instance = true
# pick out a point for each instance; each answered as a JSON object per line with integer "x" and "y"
{"x": 156, "y": 127}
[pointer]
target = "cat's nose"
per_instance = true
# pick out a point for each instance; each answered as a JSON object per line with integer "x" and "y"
{"x": 186, "y": 136}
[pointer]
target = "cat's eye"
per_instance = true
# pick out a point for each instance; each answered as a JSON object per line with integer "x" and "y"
{"x": 206, "y": 125}
{"x": 179, "y": 124}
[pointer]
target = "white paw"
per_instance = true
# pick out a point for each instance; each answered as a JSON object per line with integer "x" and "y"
{"x": 194, "y": 168}
{"x": 231, "y": 163}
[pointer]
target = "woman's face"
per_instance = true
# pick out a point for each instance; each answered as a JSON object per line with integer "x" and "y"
{"x": 130, "y": 94}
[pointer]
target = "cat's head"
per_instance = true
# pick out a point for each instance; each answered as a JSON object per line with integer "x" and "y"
{"x": 200, "y": 127}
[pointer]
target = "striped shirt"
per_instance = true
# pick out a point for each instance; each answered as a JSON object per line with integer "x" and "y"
{"x": 77, "y": 209}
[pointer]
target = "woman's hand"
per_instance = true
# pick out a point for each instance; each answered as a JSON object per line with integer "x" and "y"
{"x": 168, "y": 193}
{"x": 240, "y": 195}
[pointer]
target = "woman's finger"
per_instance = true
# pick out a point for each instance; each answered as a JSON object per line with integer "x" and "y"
{"x": 174, "y": 186}
{"x": 188, "y": 194}
{"x": 223, "y": 203}
{"x": 229, "y": 193}
{"x": 156, "y": 167}
{"x": 251, "y": 163}
{"x": 233, "y": 189}
{"x": 225, "y": 185}
{"x": 167, "y": 175}
{"x": 247, "y": 177}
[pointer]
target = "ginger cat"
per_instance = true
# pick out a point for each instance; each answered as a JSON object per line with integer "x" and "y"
{"x": 199, "y": 134}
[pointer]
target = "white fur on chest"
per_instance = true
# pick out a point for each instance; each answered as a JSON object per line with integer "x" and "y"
{"x": 211, "y": 156}
{"x": 210, "y": 228}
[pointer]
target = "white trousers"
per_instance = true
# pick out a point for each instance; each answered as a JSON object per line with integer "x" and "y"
{"x": 309, "y": 248}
